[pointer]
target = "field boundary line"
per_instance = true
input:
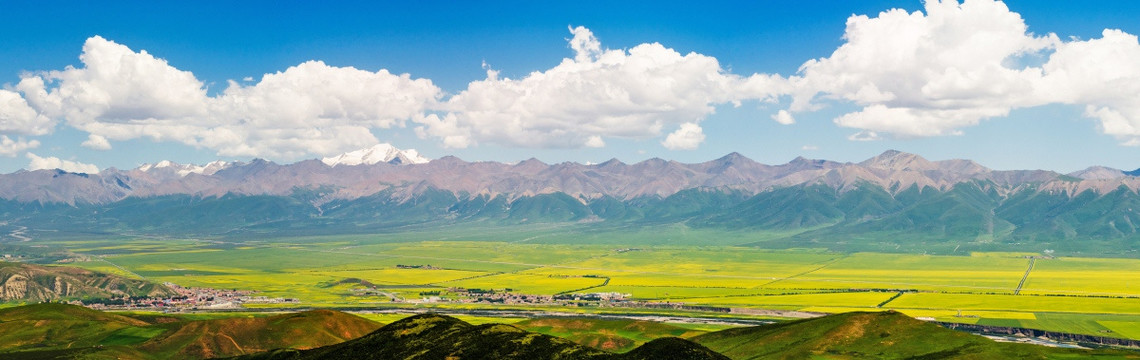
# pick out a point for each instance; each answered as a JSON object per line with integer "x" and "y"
{"x": 825, "y": 264}
{"x": 1024, "y": 277}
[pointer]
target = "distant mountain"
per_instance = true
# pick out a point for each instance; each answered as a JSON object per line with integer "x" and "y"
{"x": 344, "y": 177}
{"x": 34, "y": 283}
{"x": 894, "y": 200}
{"x": 1099, "y": 173}
{"x": 379, "y": 153}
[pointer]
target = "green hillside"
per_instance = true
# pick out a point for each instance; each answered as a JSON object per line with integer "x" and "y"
{"x": 431, "y": 336}
{"x": 57, "y": 331}
{"x": 875, "y": 335}
{"x": 46, "y": 331}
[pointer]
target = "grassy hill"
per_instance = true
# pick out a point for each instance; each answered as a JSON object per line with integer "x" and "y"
{"x": 57, "y": 331}
{"x": 432, "y": 336}
{"x": 58, "y": 326}
{"x": 246, "y": 335}
{"x": 875, "y": 335}
{"x": 46, "y": 331}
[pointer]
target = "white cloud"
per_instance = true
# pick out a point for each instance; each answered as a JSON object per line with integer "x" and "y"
{"x": 116, "y": 85}
{"x": 308, "y": 109}
{"x": 48, "y": 163}
{"x": 19, "y": 118}
{"x": 595, "y": 142}
{"x": 96, "y": 142}
{"x": 927, "y": 74}
{"x": 784, "y": 117}
{"x": 936, "y": 73}
{"x": 809, "y": 147}
{"x": 598, "y": 93}
{"x": 1104, "y": 75}
{"x": 688, "y": 137}
{"x": 10, "y": 148}
{"x": 865, "y": 135}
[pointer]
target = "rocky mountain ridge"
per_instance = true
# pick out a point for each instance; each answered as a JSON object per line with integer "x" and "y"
{"x": 405, "y": 173}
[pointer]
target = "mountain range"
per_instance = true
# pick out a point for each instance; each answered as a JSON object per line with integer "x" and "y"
{"x": 893, "y": 195}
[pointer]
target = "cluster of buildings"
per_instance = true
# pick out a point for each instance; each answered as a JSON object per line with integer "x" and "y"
{"x": 188, "y": 298}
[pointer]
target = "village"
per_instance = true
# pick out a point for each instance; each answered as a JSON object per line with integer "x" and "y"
{"x": 186, "y": 299}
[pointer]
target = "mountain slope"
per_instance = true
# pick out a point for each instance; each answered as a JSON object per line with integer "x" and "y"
{"x": 60, "y": 326}
{"x": 34, "y": 283}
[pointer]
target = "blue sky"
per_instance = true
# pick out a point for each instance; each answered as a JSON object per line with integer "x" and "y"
{"x": 1023, "y": 122}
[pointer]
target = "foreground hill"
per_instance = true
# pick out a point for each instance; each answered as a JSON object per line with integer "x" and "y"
{"x": 432, "y": 336}
{"x": 34, "y": 283}
{"x": 875, "y": 335}
{"x": 49, "y": 331}
{"x": 56, "y": 331}
{"x": 246, "y": 335}
{"x": 902, "y": 197}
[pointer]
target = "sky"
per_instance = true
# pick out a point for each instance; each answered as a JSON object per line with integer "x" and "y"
{"x": 1020, "y": 84}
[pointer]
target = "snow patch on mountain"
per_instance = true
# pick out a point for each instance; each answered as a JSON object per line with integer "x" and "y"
{"x": 379, "y": 153}
{"x": 187, "y": 169}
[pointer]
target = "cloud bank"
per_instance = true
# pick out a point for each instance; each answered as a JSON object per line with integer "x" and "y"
{"x": 600, "y": 93}
{"x": 926, "y": 73}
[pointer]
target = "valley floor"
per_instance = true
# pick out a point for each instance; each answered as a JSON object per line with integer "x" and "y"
{"x": 675, "y": 271}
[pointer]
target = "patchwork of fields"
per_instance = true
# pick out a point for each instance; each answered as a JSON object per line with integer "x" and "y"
{"x": 1080, "y": 295}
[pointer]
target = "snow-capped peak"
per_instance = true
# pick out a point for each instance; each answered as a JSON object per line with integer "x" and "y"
{"x": 183, "y": 170}
{"x": 377, "y": 154}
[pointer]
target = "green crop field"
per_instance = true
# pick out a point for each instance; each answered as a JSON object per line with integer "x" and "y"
{"x": 1093, "y": 296}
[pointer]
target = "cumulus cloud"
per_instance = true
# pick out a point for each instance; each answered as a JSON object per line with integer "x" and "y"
{"x": 308, "y": 109}
{"x": 47, "y": 163}
{"x": 596, "y": 94}
{"x": 10, "y": 148}
{"x": 16, "y": 117}
{"x": 784, "y": 117}
{"x": 96, "y": 142}
{"x": 935, "y": 73}
{"x": 927, "y": 74}
{"x": 688, "y": 137}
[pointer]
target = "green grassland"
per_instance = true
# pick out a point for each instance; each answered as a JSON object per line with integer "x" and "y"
{"x": 673, "y": 263}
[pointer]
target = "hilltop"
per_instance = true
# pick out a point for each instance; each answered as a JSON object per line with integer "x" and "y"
{"x": 868, "y": 335}
{"x": 431, "y": 336}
